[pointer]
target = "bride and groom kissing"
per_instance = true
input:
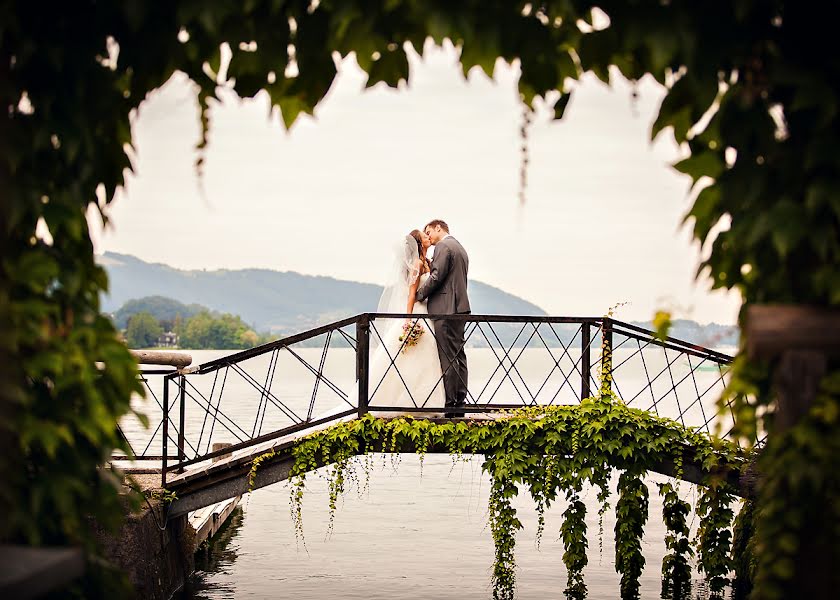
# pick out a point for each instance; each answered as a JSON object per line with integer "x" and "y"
{"x": 410, "y": 368}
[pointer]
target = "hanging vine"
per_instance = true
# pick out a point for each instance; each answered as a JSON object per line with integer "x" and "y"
{"x": 743, "y": 552}
{"x": 554, "y": 452}
{"x": 503, "y": 525}
{"x": 573, "y": 534}
{"x": 714, "y": 536}
{"x": 676, "y": 565}
{"x": 760, "y": 147}
{"x": 631, "y": 513}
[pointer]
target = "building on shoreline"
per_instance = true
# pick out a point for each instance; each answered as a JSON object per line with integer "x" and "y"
{"x": 168, "y": 339}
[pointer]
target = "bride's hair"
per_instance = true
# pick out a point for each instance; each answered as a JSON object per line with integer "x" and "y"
{"x": 418, "y": 237}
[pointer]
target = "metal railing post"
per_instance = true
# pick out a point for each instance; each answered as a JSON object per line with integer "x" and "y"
{"x": 362, "y": 360}
{"x": 606, "y": 355}
{"x": 585, "y": 361}
{"x": 165, "y": 449}
{"x": 182, "y": 389}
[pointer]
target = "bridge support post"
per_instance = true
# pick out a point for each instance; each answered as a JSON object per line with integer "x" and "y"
{"x": 363, "y": 360}
{"x": 585, "y": 360}
{"x": 182, "y": 390}
{"x": 165, "y": 444}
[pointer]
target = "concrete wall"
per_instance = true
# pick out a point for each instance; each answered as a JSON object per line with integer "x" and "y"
{"x": 157, "y": 562}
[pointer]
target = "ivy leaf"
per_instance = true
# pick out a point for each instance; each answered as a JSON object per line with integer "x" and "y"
{"x": 705, "y": 211}
{"x": 788, "y": 227}
{"x": 661, "y": 324}
{"x": 561, "y": 104}
{"x": 686, "y": 102}
{"x": 704, "y": 164}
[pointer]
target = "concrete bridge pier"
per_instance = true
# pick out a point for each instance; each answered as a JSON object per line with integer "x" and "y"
{"x": 155, "y": 552}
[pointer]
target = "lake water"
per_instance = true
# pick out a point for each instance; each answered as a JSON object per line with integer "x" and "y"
{"x": 416, "y": 532}
{"x": 411, "y": 536}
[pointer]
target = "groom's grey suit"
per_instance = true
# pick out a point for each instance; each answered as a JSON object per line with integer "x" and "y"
{"x": 446, "y": 290}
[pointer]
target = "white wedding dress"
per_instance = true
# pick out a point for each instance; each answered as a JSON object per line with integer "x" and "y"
{"x": 414, "y": 378}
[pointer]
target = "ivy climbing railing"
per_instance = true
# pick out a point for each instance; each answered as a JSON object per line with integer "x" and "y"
{"x": 354, "y": 366}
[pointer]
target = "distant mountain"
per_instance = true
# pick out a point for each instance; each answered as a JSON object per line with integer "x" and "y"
{"x": 276, "y": 301}
{"x": 286, "y": 302}
{"x": 711, "y": 335}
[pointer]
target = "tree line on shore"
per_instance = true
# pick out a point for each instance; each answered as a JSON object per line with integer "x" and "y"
{"x": 196, "y": 327}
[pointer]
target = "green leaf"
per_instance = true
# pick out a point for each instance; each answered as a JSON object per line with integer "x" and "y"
{"x": 705, "y": 211}
{"x": 561, "y": 104}
{"x": 661, "y": 324}
{"x": 684, "y": 105}
{"x": 705, "y": 164}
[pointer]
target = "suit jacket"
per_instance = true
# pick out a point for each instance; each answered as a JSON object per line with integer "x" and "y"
{"x": 446, "y": 287}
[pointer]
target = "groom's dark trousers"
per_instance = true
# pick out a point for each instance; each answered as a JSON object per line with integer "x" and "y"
{"x": 446, "y": 290}
{"x": 453, "y": 361}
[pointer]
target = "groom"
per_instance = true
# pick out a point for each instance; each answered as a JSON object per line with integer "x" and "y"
{"x": 446, "y": 290}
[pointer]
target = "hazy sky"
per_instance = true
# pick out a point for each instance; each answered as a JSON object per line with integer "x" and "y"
{"x": 601, "y": 223}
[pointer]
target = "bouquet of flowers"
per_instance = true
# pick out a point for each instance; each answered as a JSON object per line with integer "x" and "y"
{"x": 412, "y": 332}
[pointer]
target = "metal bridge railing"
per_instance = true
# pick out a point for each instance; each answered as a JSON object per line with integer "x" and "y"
{"x": 358, "y": 365}
{"x": 146, "y": 441}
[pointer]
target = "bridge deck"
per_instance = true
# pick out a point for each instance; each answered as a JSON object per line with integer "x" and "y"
{"x": 229, "y": 477}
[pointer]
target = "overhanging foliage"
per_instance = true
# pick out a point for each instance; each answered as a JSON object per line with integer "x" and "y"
{"x": 752, "y": 94}
{"x": 552, "y": 452}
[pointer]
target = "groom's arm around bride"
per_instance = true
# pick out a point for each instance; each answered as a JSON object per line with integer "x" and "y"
{"x": 446, "y": 291}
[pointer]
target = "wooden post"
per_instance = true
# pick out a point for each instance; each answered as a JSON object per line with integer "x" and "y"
{"x": 775, "y": 328}
{"x": 797, "y": 379}
{"x": 162, "y": 357}
{"x": 220, "y": 446}
{"x": 801, "y": 339}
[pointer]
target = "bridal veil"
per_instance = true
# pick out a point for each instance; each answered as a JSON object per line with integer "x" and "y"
{"x": 399, "y": 277}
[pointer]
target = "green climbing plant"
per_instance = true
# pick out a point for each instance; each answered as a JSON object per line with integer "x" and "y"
{"x": 676, "y": 566}
{"x": 743, "y": 553}
{"x": 750, "y": 96}
{"x": 715, "y": 536}
{"x": 631, "y": 513}
{"x": 573, "y": 534}
{"x": 255, "y": 465}
{"x": 551, "y": 453}
{"x": 503, "y": 525}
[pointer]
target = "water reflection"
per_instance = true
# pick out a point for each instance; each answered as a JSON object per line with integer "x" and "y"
{"x": 410, "y": 536}
{"x": 214, "y": 561}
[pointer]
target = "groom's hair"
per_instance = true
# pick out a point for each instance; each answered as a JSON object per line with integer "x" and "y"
{"x": 438, "y": 222}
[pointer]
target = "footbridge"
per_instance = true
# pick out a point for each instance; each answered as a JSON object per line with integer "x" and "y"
{"x": 210, "y": 421}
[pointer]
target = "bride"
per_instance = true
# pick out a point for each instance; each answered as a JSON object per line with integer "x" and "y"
{"x": 403, "y": 375}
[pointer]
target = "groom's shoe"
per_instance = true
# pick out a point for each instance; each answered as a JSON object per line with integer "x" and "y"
{"x": 455, "y": 414}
